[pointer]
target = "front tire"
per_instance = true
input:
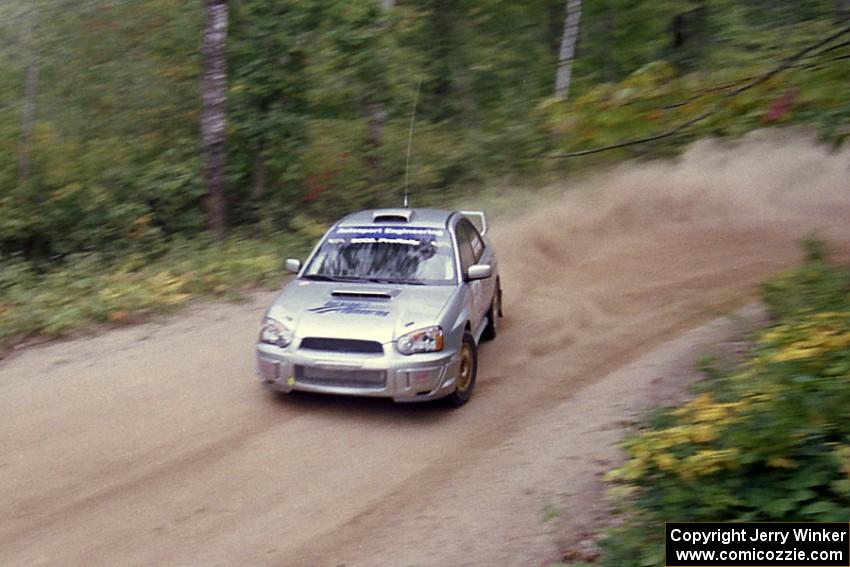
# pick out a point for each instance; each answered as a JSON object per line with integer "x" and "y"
{"x": 467, "y": 373}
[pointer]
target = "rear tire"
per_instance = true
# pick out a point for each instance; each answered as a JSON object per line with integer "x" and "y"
{"x": 493, "y": 314}
{"x": 467, "y": 373}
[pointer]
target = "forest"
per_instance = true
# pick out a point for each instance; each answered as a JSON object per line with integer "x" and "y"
{"x": 211, "y": 135}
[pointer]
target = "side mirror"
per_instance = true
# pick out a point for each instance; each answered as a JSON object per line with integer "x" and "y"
{"x": 293, "y": 266}
{"x": 479, "y": 272}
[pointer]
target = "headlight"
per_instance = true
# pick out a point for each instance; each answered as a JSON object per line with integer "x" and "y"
{"x": 429, "y": 339}
{"x": 275, "y": 333}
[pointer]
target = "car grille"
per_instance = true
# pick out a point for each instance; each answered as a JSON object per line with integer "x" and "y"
{"x": 342, "y": 345}
{"x": 313, "y": 376}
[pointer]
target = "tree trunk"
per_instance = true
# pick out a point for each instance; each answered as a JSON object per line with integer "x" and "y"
{"x": 679, "y": 35}
{"x": 568, "y": 49}
{"x": 262, "y": 214}
{"x": 376, "y": 116}
{"x": 214, "y": 113}
{"x": 554, "y": 27}
{"x": 842, "y": 10}
{"x": 259, "y": 189}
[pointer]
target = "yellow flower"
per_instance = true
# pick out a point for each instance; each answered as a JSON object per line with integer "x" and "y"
{"x": 665, "y": 461}
{"x": 780, "y": 463}
{"x": 773, "y": 334}
{"x": 843, "y": 454}
{"x": 795, "y": 352}
{"x": 703, "y": 434}
{"x": 839, "y": 342}
{"x": 707, "y": 462}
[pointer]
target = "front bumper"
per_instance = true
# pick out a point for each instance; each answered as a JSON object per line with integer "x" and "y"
{"x": 415, "y": 378}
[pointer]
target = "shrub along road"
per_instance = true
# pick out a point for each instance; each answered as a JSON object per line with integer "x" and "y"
{"x": 156, "y": 445}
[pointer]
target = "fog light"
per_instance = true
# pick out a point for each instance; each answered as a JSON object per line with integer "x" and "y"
{"x": 268, "y": 369}
{"x": 421, "y": 376}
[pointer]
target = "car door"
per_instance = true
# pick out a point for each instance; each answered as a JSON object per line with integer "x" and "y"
{"x": 483, "y": 254}
{"x": 467, "y": 259}
{"x": 478, "y": 253}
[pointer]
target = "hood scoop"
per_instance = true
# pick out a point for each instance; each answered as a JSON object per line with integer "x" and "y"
{"x": 392, "y": 215}
{"x": 364, "y": 294}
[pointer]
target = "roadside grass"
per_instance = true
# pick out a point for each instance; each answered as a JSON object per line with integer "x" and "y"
{"x": 88, "y": 289}
{"x": 768, "y": 440}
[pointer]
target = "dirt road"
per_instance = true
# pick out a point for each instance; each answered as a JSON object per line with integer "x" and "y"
{"x": 155, "y": 445}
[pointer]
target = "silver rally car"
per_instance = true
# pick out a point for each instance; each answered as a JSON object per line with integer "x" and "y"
{"x": 391, "y": 303}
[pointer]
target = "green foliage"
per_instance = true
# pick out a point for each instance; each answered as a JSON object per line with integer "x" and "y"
{"x": 112, "y": 151}
{"x": 86, "y": 289}
{"x": 268, "y": 52}
{"x": 657, "y": 92}
{"x": 319, "y": 96}
{"x": 769, "y": 441}
{"x": 657, "y": 98}
{"x": 621, "y": 36}
{"x": 817, "y": 287}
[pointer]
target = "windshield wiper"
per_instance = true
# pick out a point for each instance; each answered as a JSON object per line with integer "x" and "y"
{"x": 325, "y": 278}
{"x": 389, "y": 281}
{"x": 356, "y": 279}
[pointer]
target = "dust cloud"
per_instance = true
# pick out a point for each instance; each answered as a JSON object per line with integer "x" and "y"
{"x": 692, "y": 235}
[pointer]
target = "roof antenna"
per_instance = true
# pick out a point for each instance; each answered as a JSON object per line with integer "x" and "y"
{"x": 410, "y": 141}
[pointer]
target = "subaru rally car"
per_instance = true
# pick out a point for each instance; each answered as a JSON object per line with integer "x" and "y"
{"x": 391, "y": 303}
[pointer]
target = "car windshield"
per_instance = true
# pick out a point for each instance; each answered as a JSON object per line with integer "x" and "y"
{"x": 385, "y": 254}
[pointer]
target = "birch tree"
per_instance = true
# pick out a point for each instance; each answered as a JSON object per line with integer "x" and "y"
{"x": 214, "y": 112}
{"x": 568, "y": 48}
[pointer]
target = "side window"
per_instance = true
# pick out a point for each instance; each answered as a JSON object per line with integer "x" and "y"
{"x": 473, "y": 237}
{"x": 467, "y": 256}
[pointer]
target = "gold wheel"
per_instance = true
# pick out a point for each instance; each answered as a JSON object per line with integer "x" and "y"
{"x": 464, "y": 375}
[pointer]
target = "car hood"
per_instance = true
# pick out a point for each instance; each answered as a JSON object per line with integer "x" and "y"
{"x": 376, "y": 312}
